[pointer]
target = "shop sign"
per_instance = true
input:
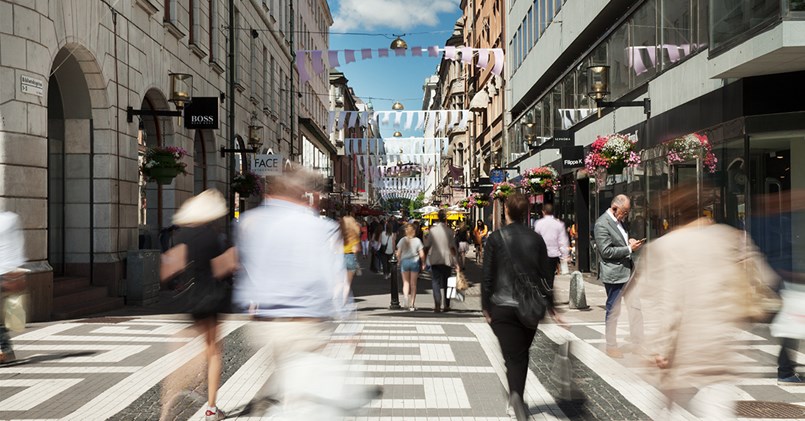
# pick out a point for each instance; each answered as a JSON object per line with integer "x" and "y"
{"x": 267, "y": 165}
{"x": 562, "y": 138}
{"x": 573, "y": 157}
{"x": 201, "y": 113}
{"x": 31, "y": 86}
{"x": 497, "y": 176}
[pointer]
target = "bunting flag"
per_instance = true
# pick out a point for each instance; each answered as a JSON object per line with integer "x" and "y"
{"x": 465, "y": 54}
{"x": 395, "y": 147}
{"x": 455, "y": 119}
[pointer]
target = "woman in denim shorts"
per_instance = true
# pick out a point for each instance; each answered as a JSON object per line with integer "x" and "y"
{"x": 351, "y": 233}
{"x": 411, "y": 254}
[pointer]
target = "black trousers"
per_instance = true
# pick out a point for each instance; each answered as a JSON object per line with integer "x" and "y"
{"x": 554, "y": 265}
{"x": 515, "y": 341}
{"x": 786, "y": 365}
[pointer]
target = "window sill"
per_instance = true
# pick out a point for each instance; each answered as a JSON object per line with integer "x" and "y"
{"x": 216, "y": 67}
{"x": 254, "y": 100}
{"x": 173, "y": 29}
{"x": 197, "y": 50}
{"x": 239, "y": 86}
{"x": 146, "y": 5}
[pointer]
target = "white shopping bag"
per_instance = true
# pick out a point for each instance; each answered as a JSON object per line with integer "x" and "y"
{"x": 451, "y": 287}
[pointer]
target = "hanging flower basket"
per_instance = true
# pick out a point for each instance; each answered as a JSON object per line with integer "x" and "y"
{"x": 612, "y": 153}
{"x": 247, "y": 184}
{"x": 480, "y": 200}
{"x": 502, "y": 190}
{"x": 163, "y": 164}
{"x": 464, "y": 203}
{"x": 691, "y": 146}
{"x": 540, "y": 180}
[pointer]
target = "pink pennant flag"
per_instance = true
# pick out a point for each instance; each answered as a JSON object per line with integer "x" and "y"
{"x": 399, "y": 52}
{"x": 416, "y": 51}
{"x": 499, "y": 57}
{"x": 433, "y": 51}
{"x": 332, "y": 57}
{"x": 301, "y": 58}
{"x": 466, "y": 55}
{"x": 382, "y": 52}
{"x": 450, "y": 53}
{"x": 366, "y": 53}
{"x": 483, "y": 58}
{"x": 349, "y": 56}
{"x": 318, "y": 64}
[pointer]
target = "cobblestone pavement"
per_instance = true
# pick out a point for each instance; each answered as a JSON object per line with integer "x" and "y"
{"x": 127, "y": 364}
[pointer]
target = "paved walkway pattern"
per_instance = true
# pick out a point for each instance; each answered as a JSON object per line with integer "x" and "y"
{"x": 431, "y": 366}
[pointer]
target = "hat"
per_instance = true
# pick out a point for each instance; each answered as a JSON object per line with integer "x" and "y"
{"x": 207, "y": 206}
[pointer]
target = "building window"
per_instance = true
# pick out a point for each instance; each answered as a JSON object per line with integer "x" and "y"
{"x": 170, "y": 11}
{"x": 543, "y": 18}
{"x": 528, "y": 25}
{"x": 264, "y": 99}
{"x": 215, "y": 34}
{"x": 253, "y": 74}
{"x": 273, "y": 90}
{"x": 236, "y": 44}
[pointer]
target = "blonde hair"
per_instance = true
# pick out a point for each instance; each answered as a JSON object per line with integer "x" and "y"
{"x": 350, "y": 230}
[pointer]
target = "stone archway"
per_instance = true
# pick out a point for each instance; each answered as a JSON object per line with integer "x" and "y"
{"x": 157, "y": 203}
{"x": 71, "y": 150}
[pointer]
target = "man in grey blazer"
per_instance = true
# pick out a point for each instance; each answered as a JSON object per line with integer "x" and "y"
{"x": 615, "y": 249}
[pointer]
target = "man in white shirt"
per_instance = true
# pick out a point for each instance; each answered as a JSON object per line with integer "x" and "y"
{"x": 12, "y": 245}
{"x": 615, "y": 249}
{"x": 440, "y": 246}
{"x": 553, "y": 232}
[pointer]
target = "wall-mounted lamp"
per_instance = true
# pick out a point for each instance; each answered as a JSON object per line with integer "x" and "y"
{"x": 255, "y": 137}
{"x": 598, "y": 89}
{"x": 181, "y": 89}
{"x": 529, "y": 132}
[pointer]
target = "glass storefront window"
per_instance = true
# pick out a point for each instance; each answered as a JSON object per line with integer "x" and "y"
{"x": 556, "y": 99}
{"x": 677, "y": 31}
{"x": 643, "y": 44}
{"x": 796, "y": 5}
{"x": 568, "y": 113}
{"x": 619, "y": 63}
{"x": 730, "y": 19}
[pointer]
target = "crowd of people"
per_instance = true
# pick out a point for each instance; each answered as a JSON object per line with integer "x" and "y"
{"x": 291, "y": 271}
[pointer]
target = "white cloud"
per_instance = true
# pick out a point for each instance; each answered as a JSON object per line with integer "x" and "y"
{"x": 393, "y": 14}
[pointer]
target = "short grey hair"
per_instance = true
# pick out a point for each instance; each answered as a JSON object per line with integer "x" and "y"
{"x": 294, "y": 182}
{"x": 620, "y": 200}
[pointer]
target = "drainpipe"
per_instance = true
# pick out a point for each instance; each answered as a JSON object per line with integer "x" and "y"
{"x": 231, "y": 140}
{"x": 117, "y": 137}
{"x": 290, "y": 73}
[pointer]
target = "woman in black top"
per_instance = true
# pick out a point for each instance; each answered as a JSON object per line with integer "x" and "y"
{"x": 510, "y": 251}
{"x": 203, "y": 255}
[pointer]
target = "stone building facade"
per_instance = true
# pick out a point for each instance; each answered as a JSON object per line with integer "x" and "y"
{"x": 70, "y": 157}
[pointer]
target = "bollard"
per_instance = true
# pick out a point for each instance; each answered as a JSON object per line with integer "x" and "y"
{"x": 578, "y": 299}
{"x": 395, "y": 297}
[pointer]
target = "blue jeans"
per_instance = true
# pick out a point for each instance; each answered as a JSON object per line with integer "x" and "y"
{"x": 613, "y": 311}
{"x": 439, "y": 275}
{"x": 410, "y": 265}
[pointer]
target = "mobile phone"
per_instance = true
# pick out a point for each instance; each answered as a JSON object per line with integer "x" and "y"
{"x": 643, "y": 240}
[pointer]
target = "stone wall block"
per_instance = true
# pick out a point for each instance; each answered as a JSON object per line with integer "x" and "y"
{"x": 105, "y": 215}
{"x": 20, "y": 149}
{"x": 26, "y": 23}
{"x": 22, "y": 181}
{"x": 76, "y": 132}
{"x": 76, "y": 165}
{"x": 8, "y": 87}
{"x": 105, "y": 166}
{"x": 38, "y": 60}
{"x": 105, "y": 240}
{"x": 77, "y": 191}
{"x": 77, "y": 215}
{"x": 6, "y": 19}
{"x": 37, "y": 120}
{"x": 104, "y": 191}
{"x": 32, "y": 212}
{"x": 12, "y": 53}
{"x": 36, "y": 244}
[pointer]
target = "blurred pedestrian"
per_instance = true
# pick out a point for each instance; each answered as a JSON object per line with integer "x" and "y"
{"x": 615, "y": 268}
{"x": 350, "y": 231}
{"x": 440, "y": 248}
{"x": 292, "y": 282}
{"x": 388, "y": 239}
{"x": 200, "y": 252}
{"x": 553, "y": 232}
{"x": 364, "y": 239}
{"x": 411, "y": 254}
{"x": 511, "y": 252}
{"x": 479, "y": 235}
{"x": 694, "y": 282}
{"x": 376, "y": 265}
{"x": 772, "y": 225}
{"x": 12, "y": 276}
{"x": 463, "y": 242}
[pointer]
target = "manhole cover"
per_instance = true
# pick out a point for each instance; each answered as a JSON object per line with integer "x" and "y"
{"x": 761, "y": 409}
{"x": 107, "y": 320}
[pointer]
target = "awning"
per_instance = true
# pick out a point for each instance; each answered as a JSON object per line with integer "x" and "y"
{"x": 480, "y": 101}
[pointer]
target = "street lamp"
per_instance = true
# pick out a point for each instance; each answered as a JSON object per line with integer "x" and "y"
{"x": 598, "y": 89}
{"x": 397, "y": 106}
{"x": 181, "y": 89}
{"x": 397, "y": 134}
{"x": 398, "y": 43}
{"x": 255, "y": 137}
{"x": 529, "y": 132}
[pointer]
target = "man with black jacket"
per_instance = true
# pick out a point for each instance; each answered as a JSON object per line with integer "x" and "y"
{"x": 498, "y": 298}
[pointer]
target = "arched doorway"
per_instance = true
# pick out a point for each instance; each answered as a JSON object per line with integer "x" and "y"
{"x": 70, "y": 152}
{"x": 156, "y": 202}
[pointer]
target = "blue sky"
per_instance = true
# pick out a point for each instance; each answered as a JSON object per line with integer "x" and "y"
{"x": 393, "y": 77}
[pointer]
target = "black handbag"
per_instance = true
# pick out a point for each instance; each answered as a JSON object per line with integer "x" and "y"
{"x": 532, "y": 295}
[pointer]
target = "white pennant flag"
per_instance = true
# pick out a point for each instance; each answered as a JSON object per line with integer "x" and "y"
{"x": 420, "y": 124}
{"x": 331, "y": 122}
{"x": 398, "y": 119}
{"x": 341, "y": 120}
{"x": 465, "y": 118}
{"x": 353, "y": 118}
{"x": 409, "y": 119}
{"x": 442, "y": 120}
